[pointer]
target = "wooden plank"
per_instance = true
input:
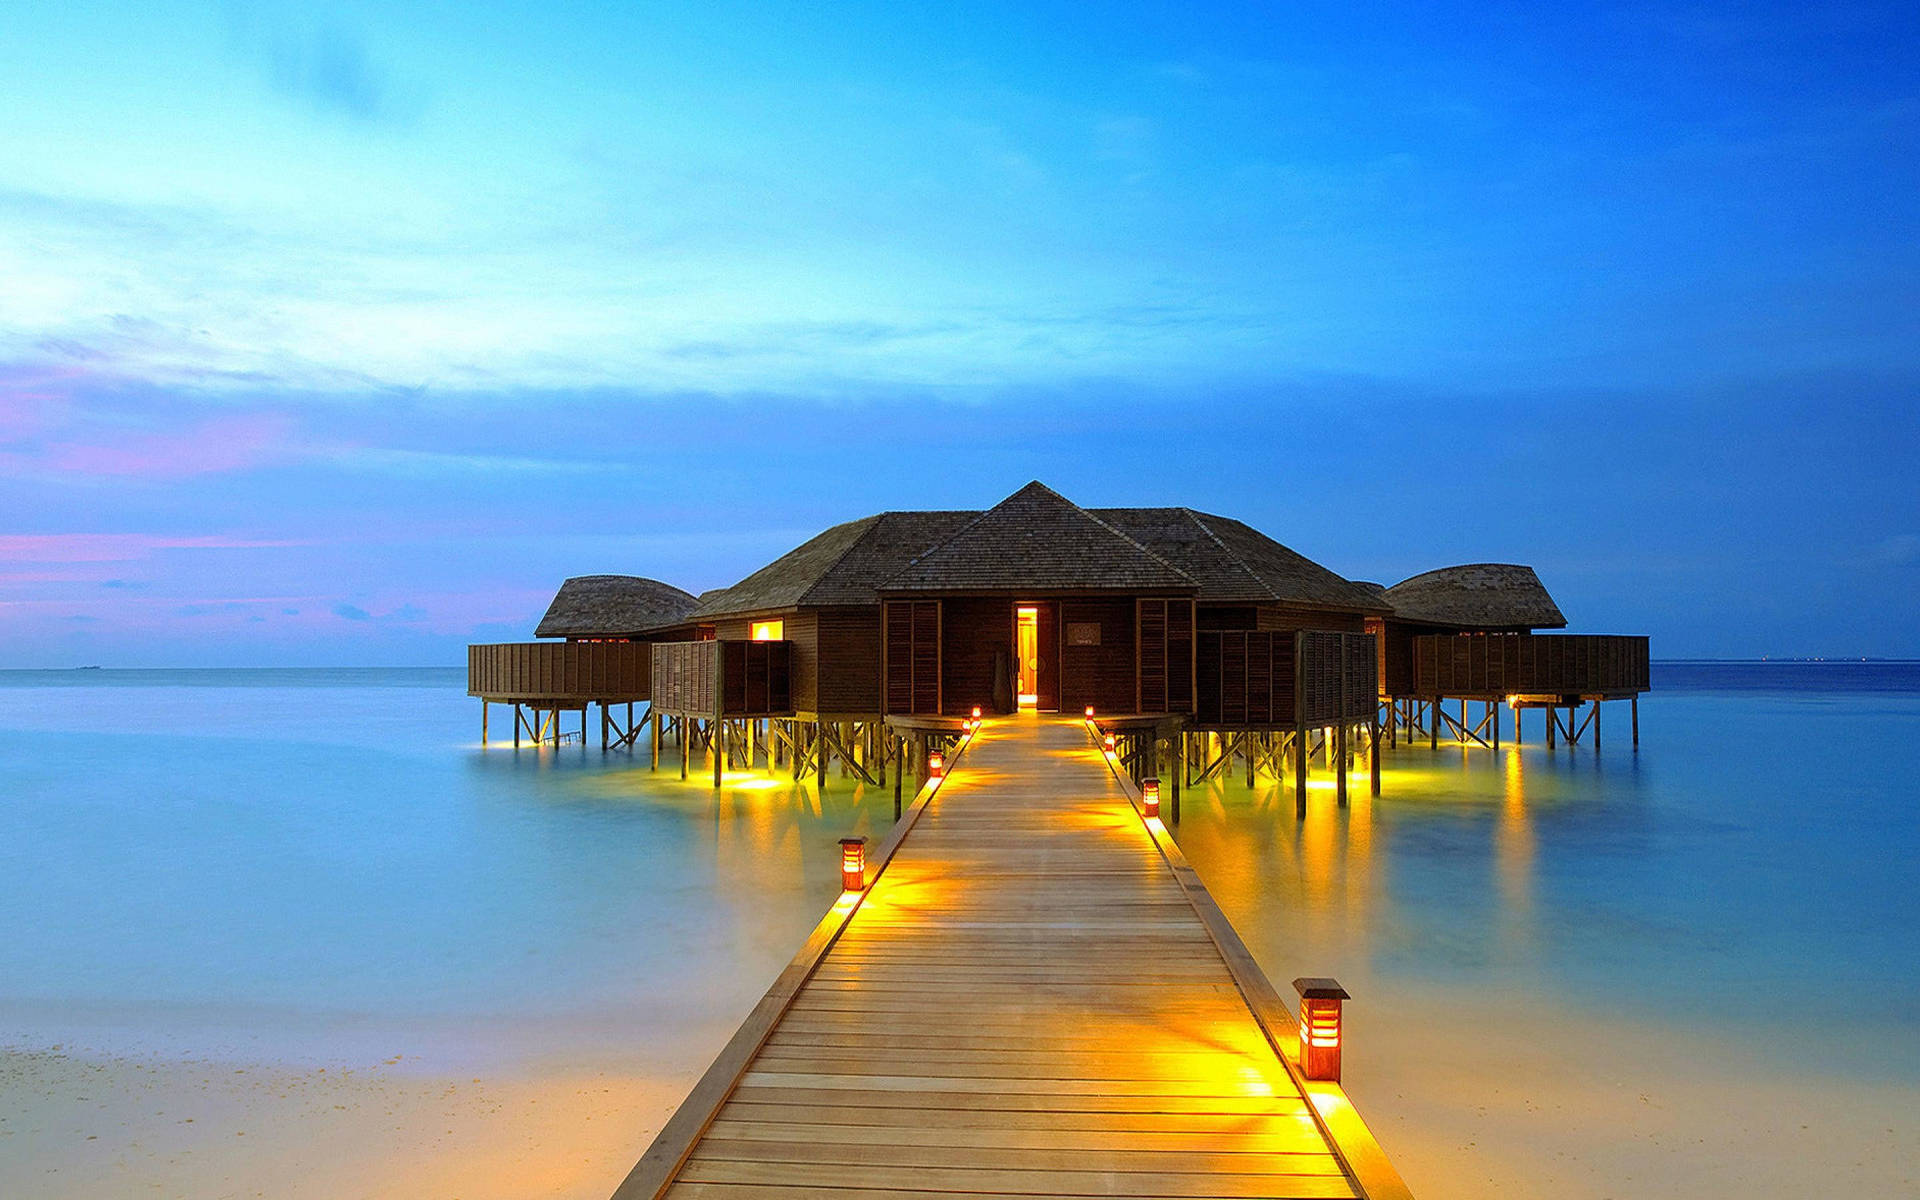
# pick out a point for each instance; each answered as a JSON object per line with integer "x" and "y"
{"x": 1027, "y": 1002}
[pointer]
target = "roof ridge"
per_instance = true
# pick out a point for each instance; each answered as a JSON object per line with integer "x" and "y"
{"x": 1129, "y": 539}
{"x": 1195, "y": 515}
{"x": 873, "y": 522}
{"x": 984, "y": 513}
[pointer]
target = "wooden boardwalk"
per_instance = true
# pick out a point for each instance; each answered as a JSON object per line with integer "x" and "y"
{"x": 1027, "y": 1002}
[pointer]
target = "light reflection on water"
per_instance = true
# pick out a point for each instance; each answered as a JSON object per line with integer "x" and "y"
{"x": 1759, "y": 850}
{"x": 284, "y": 847}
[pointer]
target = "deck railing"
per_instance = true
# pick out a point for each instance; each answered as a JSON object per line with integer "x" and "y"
{"x": 544, "y": 671}
{"x": 1529, "y": 664}
{"x": 1287, "y": 678}
{"x": 723, "y": 679}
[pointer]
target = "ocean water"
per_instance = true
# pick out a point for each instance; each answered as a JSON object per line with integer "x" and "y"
{"x": 303, "y": 864}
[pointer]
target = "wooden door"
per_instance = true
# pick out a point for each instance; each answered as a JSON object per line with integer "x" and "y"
{"x": 1048, "y": 689}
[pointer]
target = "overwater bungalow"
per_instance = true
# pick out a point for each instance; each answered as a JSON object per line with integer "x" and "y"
{"x": 1199, "y": 643}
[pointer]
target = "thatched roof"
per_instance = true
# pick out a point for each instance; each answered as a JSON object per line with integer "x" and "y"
{"x": 613, "y": 606}
{"x": 1037, "y": 540}
{"x": 841, "y": 566}
{"x": 1232, "y": 561}
{"x": 1477, "y": 596}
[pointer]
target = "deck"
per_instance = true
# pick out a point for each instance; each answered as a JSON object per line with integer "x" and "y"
{"x": 1033, "y": 998}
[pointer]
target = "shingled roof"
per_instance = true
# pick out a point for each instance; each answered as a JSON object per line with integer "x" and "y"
{"x": 1037, "y": 540}
{"x": 613, "y": 605}
{"x": 1477, "y": 596}
{"x": 1231, "y": 560}
{"x": 841, "y": 566}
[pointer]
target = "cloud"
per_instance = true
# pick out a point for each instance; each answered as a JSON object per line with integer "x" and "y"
{"x": 115, "y": 547}
{"x": 324, "y": 66}
{"x": 351, "y": 612}
{"x": 209, "y": 447}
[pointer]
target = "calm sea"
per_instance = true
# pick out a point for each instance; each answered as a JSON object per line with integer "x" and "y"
{"x": 285, "y": 861}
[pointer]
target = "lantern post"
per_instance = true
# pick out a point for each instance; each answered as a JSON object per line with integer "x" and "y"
{"x": 1320, "y": 1001}
{"x": 853, "y": 864}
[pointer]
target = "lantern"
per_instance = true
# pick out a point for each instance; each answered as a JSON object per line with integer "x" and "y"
{"x": 853, "y": 864}
{"x": 936, "y": 765}
{"x": 1089, "y": 712}
{"x": 1108, "y": 743}
{"x": 1320, "y": 1027}
{"x": 1150, "y": 798}
{"x": 976, "y": 712}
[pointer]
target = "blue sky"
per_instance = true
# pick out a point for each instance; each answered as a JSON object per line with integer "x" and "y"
{"x": 341, "y": 333}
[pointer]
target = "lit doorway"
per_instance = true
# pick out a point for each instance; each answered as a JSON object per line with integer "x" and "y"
{"x": 1026, "y": 639}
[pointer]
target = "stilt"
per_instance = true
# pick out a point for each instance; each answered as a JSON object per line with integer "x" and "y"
{"x": 1246, "y": 746}
{"x": 718, "y": 737}
{"x": 1636, "y": 722}
{"x": 1519, "y": 735}
{"x": 603, "y": 725}
{"x": 1179, "y": 765}
{"x": 1494, "y": 711}
{"x": 686, "y": 745}
{"x": 1596, "y": 726}
{"x": 653, "y": 718}
{"x": 1433, "y": 726}
{"x": 483, "y": 722}
{"x": 820, "y": 747}
{"x": 899, "y": 754}
{"x": 1373, "y": 756}
{"x": 1340, "y": 768}
{"x": 1553, "y": 722}
{"x": 1300, "y": 775}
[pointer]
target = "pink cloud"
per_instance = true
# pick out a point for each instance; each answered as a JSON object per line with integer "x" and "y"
{"x": 221, "y": 444}
{"x": 113, "y": 547}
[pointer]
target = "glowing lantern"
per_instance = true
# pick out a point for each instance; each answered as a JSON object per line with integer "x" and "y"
{"x": 1108, "y": 743}
{"x": 853, "y": 864}
{"x": 1089, "y": 712}
{"x": 936, "y": 765}
{"x": 1320, "y": 1027}
{"x": 1150, "y": 798}
{"x": 976, "y": 712}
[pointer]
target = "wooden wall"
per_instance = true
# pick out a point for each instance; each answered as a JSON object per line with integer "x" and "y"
{"x": 1282, "y": 679}
{"x": 847, "y": 650}
{"x": 719, "y": 677}
{"x": 1101, "y": 675}
{"x": 1501, "y": 664}
{"x": 973, "y": 633}
{"x": 1277, "y": 617}
{"x": 911, "y": 632}
{"x": 1164, "y": 630}
{"x": 560, "y": 671}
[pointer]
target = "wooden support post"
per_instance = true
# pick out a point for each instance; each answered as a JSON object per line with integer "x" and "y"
{"x": 898, "y": 750}
{"x": 483, "y": 722}
{"x": 1300, "y": 775}
{"x": 516, "y": 727}
{"x": 717, "y": 736}
{"x": 686, "y": 747}
{"x": 653, "y": 718}
{"x": 1179, "y": 765}
{"x": 820, "y": 745}
{"x": 1596, "y": 726}
{"x": 1246, "y": 748}
{"x": 1373, "y": 757}
{"x": 1340, "y": 760}
{"x": 1553, "y": 722}
{"x": 1636, "y": 722}
{"x": 1494, "y": 705}
{"x": 1433, "y": 725}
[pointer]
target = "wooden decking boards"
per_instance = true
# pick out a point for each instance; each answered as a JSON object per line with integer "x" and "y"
{"x": 1026, "y": 1003}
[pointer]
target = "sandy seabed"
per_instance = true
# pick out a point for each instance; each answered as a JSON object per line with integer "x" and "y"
{"x": 1469, "y": 1099}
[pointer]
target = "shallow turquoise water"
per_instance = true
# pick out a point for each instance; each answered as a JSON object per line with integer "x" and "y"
{"x": 276, "y": 857}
